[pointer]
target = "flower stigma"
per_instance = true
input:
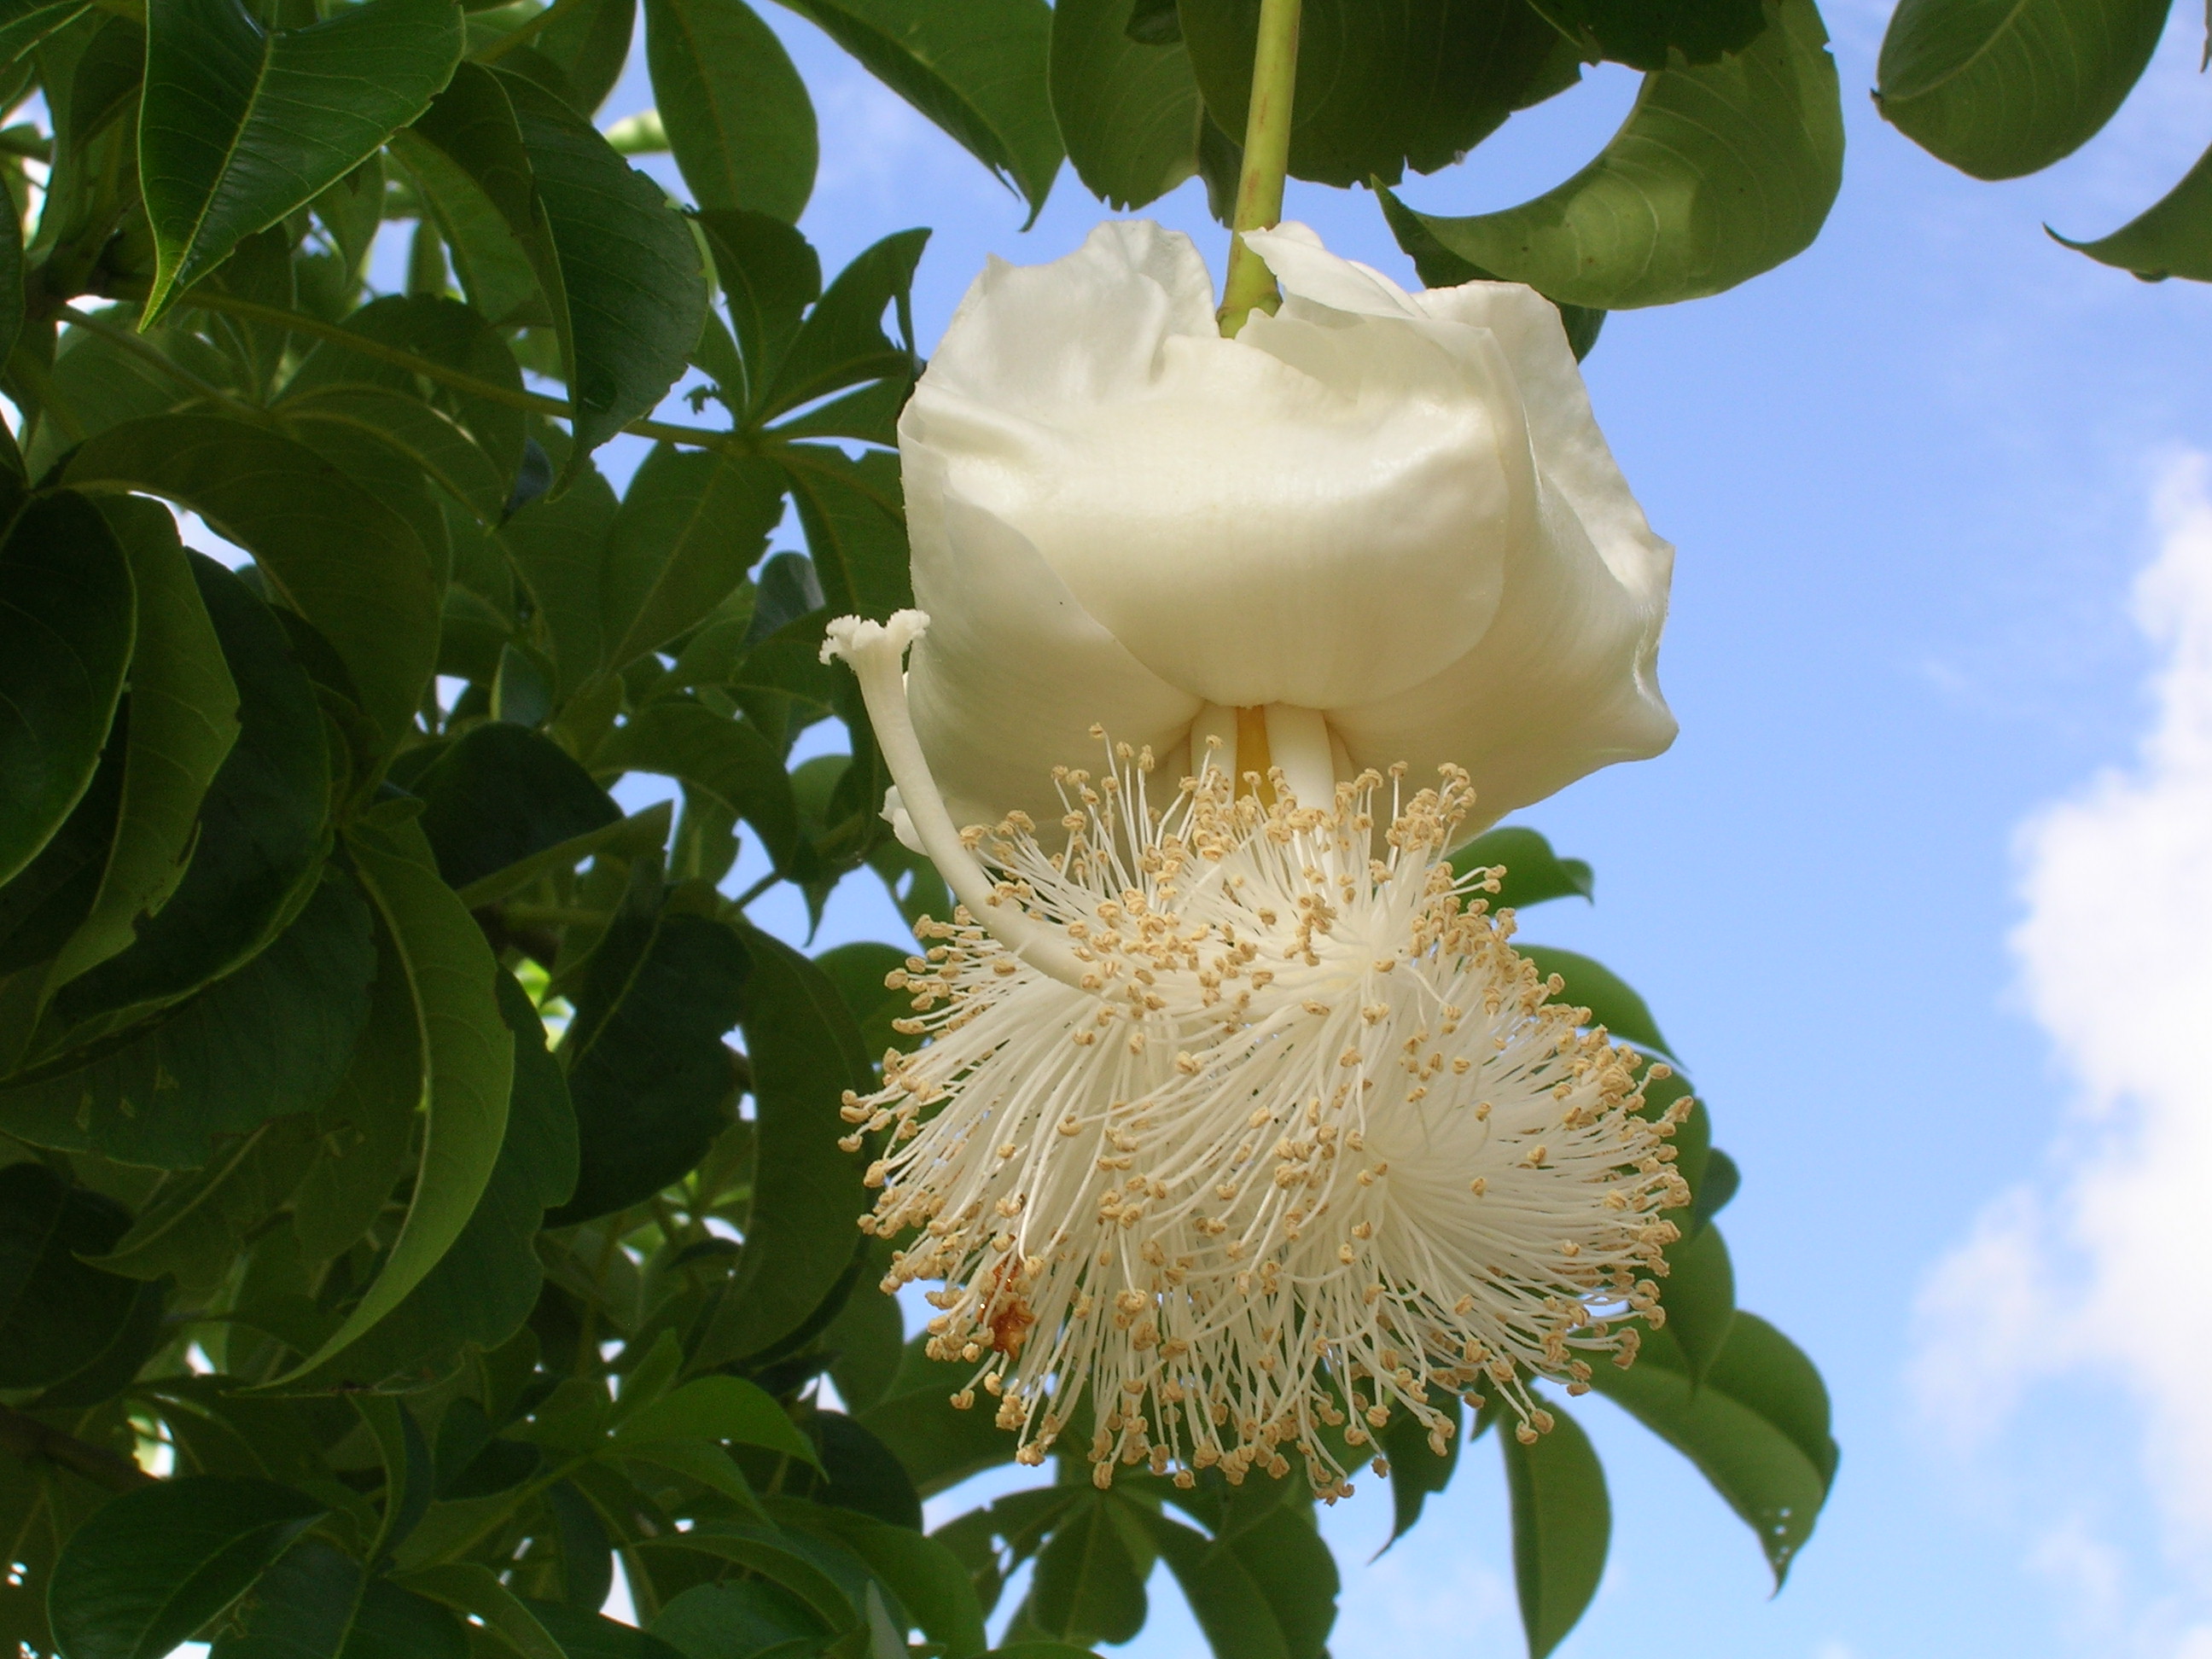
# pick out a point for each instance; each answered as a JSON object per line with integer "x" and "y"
{"x": 1240, "y": 1128}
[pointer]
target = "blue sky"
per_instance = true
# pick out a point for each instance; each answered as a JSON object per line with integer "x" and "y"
{"x": 1914, "y": 477}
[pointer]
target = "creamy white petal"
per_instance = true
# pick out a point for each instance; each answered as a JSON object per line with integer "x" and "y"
{"x": 1559, "y": 686}
{"x": 1013, "y": 672}
{"x": 1326, "y": 508}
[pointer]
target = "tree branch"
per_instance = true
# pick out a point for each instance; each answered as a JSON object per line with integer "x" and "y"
{"x": 35, "y": 1442}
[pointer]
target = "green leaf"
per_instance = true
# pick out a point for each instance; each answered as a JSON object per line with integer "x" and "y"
{"x": 2173, "y": 237}
{"x": 632, "y": 285}
{"x": 468, "y": 1062}
{"x": 260, "y": 823}
{"x": 807, "y": 1194}
{"x": 484, "y": 1286}
{"x": 864, "y": 1474}
{"x": 433, "y": 442}
{"x": 691, "y": 525}
{"x": 25, "y": 23}
{"x": 1562, "y": 1523}
{"x": 716, "y": 1408}
{"x": 842, "y": 341}
{"x": 194, "y": 1225}
{"x": 1417, "y": 1474}
{"x": 1130, "y": 114}
{"x": 1757, "y": 1427}
{"x": 857, "y": 971}
{"x": 241, "y": 124}
{"x": 781, "y": 1559}
{"x": 1643, "y": 33}
{"x": 501, "y": 793}
{"x": 735, "y": 111}
{"x": 11, "y": 283}
{"x": 631, "y": 837}
{"x": 558, "y": 546}
{"x": 65, "y": 638}
{"x": 156, "y": 1564}
{"x": 738, "y": 1619}
{"x": 727, "y": 758}
{"x": 334, "y": 553}
{"x": 1383, "y": 85}
{"x": 270, "y": 1040}
{"x": 57, "y": 1313}
{"x": 446, "y": 332}
{"x": 1720, "y": 172}
{"x": 1088, "y": 1587}
{"x": 470, "y": 1588}
{"x": 769, "y": 275}
{"x": 2002, "y": 88}
{"x": 939, "y": 1445}
{"x": 1528, "y": 871}
{"x": 651, "y": 1084}
{"x": 315, "y": 1603}
{"x": 1268, "y": 1593}
{"x": 856, "y": 528}
{"x": 925, "y": 1577}
{"x": 583, "y": 1634}
{"x": 976, "y": 68}
{"x": 183, "y": 722}
{"x": 1610, "y": 999}
{"x": 590, "y": 45}
{"x": 1699, "y": 1295}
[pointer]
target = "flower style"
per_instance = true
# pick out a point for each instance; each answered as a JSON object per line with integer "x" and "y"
{"x": 1240, "y": 1126}
{"x": 1376, "y": 526}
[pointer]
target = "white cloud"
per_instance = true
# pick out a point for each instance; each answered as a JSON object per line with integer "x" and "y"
{"x": 2091, "y": 1271}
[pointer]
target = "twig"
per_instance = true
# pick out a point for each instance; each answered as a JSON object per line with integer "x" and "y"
{"x": 36, "y": 1442}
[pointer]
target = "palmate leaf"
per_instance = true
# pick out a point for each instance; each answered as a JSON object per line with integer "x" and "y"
{"x": 2002, "y": 88}
{"x": 154, "y": 1565}
{"x": 1385, "y": 85}
{"x": 735, "y": 113}
{"x": 1130, "y": 113}
{"x": 377, "y": 605}
{"x": 241, "y": 124}
{"x": 1722, "y": 170}
{"x": 976, "y": 68}
{"x": 65, "y": 638}
{"x": 467, "y": 1064}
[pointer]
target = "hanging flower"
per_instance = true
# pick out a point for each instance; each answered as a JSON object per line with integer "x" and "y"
{"x": 1243, "y": 1126}
{"x": 1376, "y": 526}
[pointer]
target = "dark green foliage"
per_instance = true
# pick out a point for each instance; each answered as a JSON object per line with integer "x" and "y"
{"x": 355, "y": 1043}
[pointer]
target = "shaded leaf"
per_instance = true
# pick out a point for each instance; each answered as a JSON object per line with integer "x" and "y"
{"x": 1383, "y": 85}
{"x": 66, "y": 638}
{"x": 976, "y": 68}
{"x": 939, "y": 1445}
{"x": 843, "y": 342}
{"x": 1699, "y": 1294}
{"x": 1757, "y": 1427}
{"x": 1532, "y": 872}
{"x": 183, "y": 723}
{"x": 805, "y": 1054}
{"x": 467, "y": 1064}
{"x": 855, "y": 529}
{"x": 1130, "y": 113}
{"x": 727, "y": 758}
{"x": 1088, "y": 1587}
{"x": 241, "y": 124}
{"x": 260, "y": 823}
{"x": 1642, "y": 33}
{"x": 690, "y": 527}
{"x": 769, "y": 275}
{"x": 738, "y": 1619}
{"x": 57, "y": 1313}
{"x": 500, "y": 793}
{"x": 558, "y": 546}
{"x": 650, "y": 1079}
{"x": 1720, "y": 172}
{"x": 156, "y": 1564}
{"x": 270, "y": 1039}
{"x": 377, "y": 605}
{"x": 734, "y": 109}
{"x": 1562, "y": 1524}
{"x": 2002, "y": 88}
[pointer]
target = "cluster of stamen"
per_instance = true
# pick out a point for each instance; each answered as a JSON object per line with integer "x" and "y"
{"x": 1308, "y": 1146}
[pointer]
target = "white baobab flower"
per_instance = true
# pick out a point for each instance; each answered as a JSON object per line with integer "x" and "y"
{"x": 1375, "y": 527}
{"x": 1240, "y": 1125}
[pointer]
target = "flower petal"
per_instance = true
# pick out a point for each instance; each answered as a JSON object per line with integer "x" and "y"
{"x": 1309, "y": 514}
{"x": 1013, "y": 672}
